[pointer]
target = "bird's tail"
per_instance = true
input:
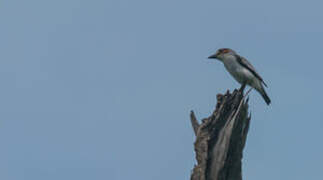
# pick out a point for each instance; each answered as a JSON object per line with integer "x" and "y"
{"x": 265, "y": 96}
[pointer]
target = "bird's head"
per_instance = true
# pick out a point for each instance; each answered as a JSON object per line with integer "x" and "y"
{"x": 222, "y": 53}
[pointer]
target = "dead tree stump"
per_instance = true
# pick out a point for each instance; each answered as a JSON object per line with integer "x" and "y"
{"x": 220, "y": 139}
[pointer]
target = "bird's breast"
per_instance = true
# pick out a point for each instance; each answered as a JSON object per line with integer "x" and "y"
{"x": 239, "y": 73}
{"x": 232, "y": 66}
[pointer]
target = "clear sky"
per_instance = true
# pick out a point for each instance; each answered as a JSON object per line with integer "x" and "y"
{"x": 102, "y": 89}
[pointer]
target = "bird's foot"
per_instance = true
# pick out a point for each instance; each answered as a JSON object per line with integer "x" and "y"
{"x": 243, "y": 86}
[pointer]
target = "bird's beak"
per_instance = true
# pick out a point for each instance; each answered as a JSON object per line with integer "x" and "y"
{"x": 214, "y": 56}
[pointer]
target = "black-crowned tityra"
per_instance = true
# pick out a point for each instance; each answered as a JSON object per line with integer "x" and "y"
{"x": 241, "y": 70}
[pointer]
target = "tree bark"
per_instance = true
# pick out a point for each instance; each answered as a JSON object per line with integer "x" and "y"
{"x": 220, "y": 139}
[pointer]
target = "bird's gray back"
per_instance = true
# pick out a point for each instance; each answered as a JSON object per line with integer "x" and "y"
{"x": 245, "y": 63}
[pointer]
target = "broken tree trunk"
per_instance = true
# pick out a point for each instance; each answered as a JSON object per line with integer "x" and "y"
{"x": 220, "y": 139}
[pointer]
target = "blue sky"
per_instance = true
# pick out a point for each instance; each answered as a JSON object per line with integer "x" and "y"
{"x": 103, "y": 89}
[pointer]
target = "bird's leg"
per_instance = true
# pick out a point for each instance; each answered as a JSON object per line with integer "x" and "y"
{"x": 242, "y": 87}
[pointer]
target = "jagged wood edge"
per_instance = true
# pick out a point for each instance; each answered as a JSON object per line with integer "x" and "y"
{"x": 207, "y": 138}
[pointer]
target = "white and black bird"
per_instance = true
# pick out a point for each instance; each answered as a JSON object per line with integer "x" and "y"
{"x": 241, "y": 70}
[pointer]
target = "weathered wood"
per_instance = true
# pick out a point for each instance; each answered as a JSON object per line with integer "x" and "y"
{"x": 220, "y": 139}
{"x": 195, "y": 123}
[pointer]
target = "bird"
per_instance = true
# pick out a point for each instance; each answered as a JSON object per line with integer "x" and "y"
{"x": 241, "y": 70}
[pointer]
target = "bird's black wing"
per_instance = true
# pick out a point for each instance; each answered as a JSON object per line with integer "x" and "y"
{"x": 243, "y": 62}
